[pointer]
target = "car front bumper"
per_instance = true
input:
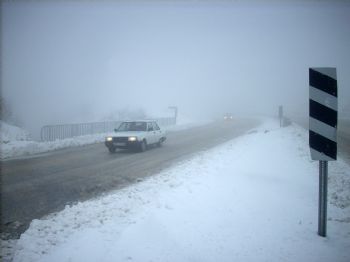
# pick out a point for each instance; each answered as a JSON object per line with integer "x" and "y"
{"x": 123, "y": 145}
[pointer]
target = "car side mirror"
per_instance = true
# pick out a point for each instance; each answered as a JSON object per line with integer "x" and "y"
{"x": 115, "y": 130}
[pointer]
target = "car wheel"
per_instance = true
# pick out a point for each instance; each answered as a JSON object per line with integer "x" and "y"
{"x": 160, "y": 142}
{"x": 143, "y": 146}
{"x": 111, "y": 149}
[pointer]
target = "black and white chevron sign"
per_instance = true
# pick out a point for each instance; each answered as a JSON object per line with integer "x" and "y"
{"x": 323, "y": 109}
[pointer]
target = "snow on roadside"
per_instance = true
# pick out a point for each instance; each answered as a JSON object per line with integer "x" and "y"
{"x": 26, "y": 148}
{"x": 235, "y": 202}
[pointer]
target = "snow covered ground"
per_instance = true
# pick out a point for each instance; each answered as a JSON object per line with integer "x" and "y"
{"x": 251, "y": 199}
{"x": 12, "y": 133}
{"x": 15, "y": 142}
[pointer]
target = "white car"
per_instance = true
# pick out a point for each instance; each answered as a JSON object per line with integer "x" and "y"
{"x": 228, "y": 117}
{"x": 136, "y": 135}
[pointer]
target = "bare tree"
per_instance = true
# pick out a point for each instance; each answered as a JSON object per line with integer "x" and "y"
{"x": 5, "y": 111}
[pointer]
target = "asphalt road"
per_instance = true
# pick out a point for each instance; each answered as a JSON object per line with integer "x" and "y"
{"x": 37, "y": 186}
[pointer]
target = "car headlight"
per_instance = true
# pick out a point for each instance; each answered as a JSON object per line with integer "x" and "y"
{"x": 132, "y": 138}
{"x": 109, "y": 138}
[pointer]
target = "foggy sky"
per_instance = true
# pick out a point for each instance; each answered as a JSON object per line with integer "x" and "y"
{"x": 77, "y": 61}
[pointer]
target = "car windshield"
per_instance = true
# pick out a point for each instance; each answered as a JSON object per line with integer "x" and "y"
{"x": 133, "y": 126}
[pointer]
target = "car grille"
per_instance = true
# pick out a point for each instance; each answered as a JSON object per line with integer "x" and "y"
{"x": 120, "y": 139}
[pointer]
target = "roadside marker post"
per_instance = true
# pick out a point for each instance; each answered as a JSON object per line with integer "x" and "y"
{"x": 175, "y": 112}
{"x": 280, "y": 115}
{"x": 323, "y": 110}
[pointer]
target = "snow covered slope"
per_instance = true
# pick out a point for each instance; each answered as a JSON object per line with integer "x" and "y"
{"x": 251, "y": 199}
{"x": 9, "y": 133}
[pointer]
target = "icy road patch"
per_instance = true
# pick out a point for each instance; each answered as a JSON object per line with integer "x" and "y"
{"x": 251, "y": 199}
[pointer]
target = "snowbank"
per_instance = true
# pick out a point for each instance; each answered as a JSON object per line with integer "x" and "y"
{"x": 17, "y": 148}
{"x": 251, "y": 199}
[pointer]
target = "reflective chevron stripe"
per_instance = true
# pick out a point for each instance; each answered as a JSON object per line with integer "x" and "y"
{"x": 319, "y": 96}
{"x": 323, "y": 106}
{"x": 323, "y": 129}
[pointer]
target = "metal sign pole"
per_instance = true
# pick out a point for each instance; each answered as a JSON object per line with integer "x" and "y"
{"x": 280, "y": 115}
{"x": 322, "y": 202}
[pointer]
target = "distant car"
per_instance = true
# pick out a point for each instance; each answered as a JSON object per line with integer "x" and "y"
{"x": 136, "y": 135}
{"x": 228, "y": 117}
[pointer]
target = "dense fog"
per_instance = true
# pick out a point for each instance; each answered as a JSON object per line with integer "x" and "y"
{"x": 66, "y": 62}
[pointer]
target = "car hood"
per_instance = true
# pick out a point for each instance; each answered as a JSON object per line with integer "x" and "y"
{"x": 129, "y": 133}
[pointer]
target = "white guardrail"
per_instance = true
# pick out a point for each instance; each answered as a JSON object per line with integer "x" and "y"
{"x": 54, "y": 132}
